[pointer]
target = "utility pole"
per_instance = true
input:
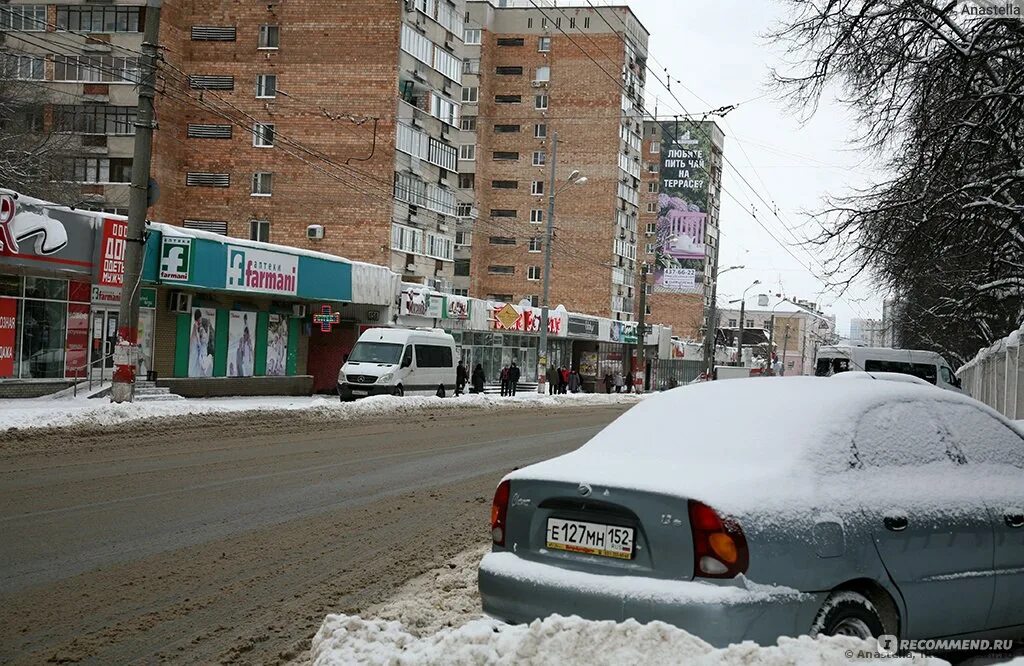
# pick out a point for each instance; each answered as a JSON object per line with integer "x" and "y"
{"x": 771, "y": 344}
{"x": 126, "y": 356}
{"x": 711, "y": 323}
{"x": 785, "y": 347}
{"x": 803, "y": 347}
{"x": 542, "y": 348}
{"x": 739, "y": 340}
{"x": 641, "y": 329}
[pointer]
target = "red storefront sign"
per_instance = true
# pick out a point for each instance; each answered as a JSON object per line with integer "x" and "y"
{"x": 77, "y": 341}
{"x": 112, "y": 246}
{"x": 8, "y": 335}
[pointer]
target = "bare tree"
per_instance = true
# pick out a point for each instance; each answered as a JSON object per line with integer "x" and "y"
{"x": 32, "y": 152}
{"x": 938, "y": 93}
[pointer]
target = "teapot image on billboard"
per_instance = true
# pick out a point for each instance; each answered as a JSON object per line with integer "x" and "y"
{"x": 50, "y": 235}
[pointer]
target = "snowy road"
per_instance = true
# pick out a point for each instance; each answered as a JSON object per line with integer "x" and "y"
{"x": 225, "y": 543}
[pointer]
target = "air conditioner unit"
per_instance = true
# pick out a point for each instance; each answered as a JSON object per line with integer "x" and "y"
{"x": 180, "y": 302}
{"x": 409, "y": 268}
{"x": 315, "y": 232}
{"x": 410, "y": 5}
{"x": 299, "y": 310}
{"x": 538, "y": 84}
{"x": 442, "y": 227}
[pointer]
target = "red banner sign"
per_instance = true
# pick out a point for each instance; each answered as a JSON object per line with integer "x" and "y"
{"x": 77, "y": 341}
{"x": 115, "y": 235}
{"x": 8, "y": 335}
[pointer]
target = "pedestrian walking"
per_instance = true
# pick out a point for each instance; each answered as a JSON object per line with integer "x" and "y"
{"x": 618, "y": 382}
{"x": 460, "y": 378}
{"x": 504, "y": 380}
{"x": 608, "y": 381}
{"x": 563, "y": 383}
{"x": 478, "y": 379}
{"x": 552, "y": 378}
{"x": 574, "y": 381}
{"x": 513, "y": 378}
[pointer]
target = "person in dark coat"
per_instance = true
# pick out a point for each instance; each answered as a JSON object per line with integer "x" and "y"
{"x": 461, "y": 376}
{"x": 608, "y": 382}
{"x": 574, "y": 381}
{"x": 478, "y": 379}
{"x": 504, "y": 380}
{"x": 552, "y": 377}
{"x": 513, "y": 378}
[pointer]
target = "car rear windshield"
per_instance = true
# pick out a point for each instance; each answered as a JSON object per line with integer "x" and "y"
{"x": 925, "y": 371}
{"x": 375, "y": 352}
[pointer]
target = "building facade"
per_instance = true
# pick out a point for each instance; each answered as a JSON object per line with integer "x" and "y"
{"x": 797, "y": 337}
{"x": 871, "y": 332}
{"x": 577, "y": 72}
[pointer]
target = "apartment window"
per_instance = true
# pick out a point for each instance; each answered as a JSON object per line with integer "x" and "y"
{"x": 652, "y": 207}
{"x": 468, "y": 124}
{"x": 504, "y": 212}
{"x": 750, "y": 323}
{"x": 471, "y": 36}
{"x": 501, "y": 240}
{"x": 540, "y": 102}
{"x": 542, "y": 74}
{"x": 505, "y": 155}
{"x": 95, "y": 69}
{"x": 510, "y": 41}
{"x": 444, "y": 109}
{"x": 23, "y": 67}
{"x": 270, "y": 36}
{"x": 537, "y": 187}
{"x": 509, "y": 70}
{"x": 539, "y": 157}
{"x": 540, "y": 131}
{"x": 506, "y": 129}
{"x": 544, "y": 44}
{"x": 26, "y": 18}
{"x": 266, "y": 85}
{"x": 572, "y": 22}
{"x": 529, "y": 23}
{"x": 98, "y": 170}
{"x": 505, "y": 184}
{"x": 463, "y": 238}
{"x": 650, "y": 248}
{"x": 508, "y": 99}
{"x": 460, "y": 292}
{"x": 262, "y": 184}
{"x": 732, "y": 323}
{"x": 586, "y": 21}
{"x": 652, "y": 227}
{"x": 263, "y": 135}
{"x": 469, "y": 95}
{"x": 464, "y": 210}
{"x": 467, "y": 152}
{"x": 471, "y": 66}
{"x": 462, "y": 267}
{"x": 534, "y": 301}
{"x": 655, "y": 146}
{"x": 652, "y": 187}
{"x": 501, "y": 270}
{"x": 99, "y": 19}
{"x": 652, "y": 167}
{"x": 537, "y": 216}
{"x": 259, "y": 230}
{"x": 647, "y": 309}
{"x": 533, "y": 273}
{"x": 544, "y": 23}
{"x": 466, "y": 181}
{"x": 535, "y": 244}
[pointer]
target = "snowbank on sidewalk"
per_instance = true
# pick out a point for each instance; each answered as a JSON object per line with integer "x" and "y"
{"x": 345, "y": 639}
{"x": 48, "y": 412}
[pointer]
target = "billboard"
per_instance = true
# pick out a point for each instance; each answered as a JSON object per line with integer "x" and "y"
{"x": 679, "y": 243}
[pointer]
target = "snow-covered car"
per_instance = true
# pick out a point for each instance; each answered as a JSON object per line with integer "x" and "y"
{"x": 750, "y": 510}
{"x": 878, "y": 376}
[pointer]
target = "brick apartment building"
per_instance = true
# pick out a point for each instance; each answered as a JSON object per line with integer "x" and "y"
{"x": 527, "y": 80}
{"x": 681, "y": 306}
{"x": 329, "y": 126}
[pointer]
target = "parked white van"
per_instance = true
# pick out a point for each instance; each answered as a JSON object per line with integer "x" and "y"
{"x": 399, "y": 361}
{"x": 926, "y": 365}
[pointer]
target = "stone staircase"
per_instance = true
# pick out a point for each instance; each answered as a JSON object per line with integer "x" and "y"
{"x": 148, "y": 391}
{"x": 495, "y": 389}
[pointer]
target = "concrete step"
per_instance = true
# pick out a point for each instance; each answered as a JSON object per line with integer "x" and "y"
{"x": 156, "y": 397}
{"x": 495, "y": 389}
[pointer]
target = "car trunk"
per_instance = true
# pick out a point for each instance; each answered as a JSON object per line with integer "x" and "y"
{"x": 589, "y": 528}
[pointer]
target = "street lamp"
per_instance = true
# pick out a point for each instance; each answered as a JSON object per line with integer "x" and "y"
{"x": 711, "y": 325}
{"x": 743, "y": 303}
{"x": 574, "y": 179}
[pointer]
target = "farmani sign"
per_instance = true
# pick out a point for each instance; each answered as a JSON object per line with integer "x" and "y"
{"x": 262, "y": 271}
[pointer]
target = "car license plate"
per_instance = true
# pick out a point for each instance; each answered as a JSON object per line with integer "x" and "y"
{"x": 360, "y": 392}
{"x": 591, "y": 538}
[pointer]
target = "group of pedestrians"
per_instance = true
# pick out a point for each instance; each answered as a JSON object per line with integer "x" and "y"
{"x": 462, "y": 378}
{"x": 562, "y": 380}
{"x": 613, "y": 381}
{"x": 510, "y": 379}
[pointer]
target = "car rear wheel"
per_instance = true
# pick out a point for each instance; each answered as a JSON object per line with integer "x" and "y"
{"x": 399, "y": 391}
{"x": 848, "y": 613}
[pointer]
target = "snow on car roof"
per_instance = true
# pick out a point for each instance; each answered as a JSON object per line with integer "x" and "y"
{"x": 887, "y": 376}
{"x": 735, "y": 445}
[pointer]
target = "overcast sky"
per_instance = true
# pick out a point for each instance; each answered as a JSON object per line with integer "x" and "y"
{"x": 716, "y": 50}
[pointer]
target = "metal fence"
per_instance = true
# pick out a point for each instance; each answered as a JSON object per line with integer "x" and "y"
{"x": 675, "y": 372}
{"x": 996, "y": 376}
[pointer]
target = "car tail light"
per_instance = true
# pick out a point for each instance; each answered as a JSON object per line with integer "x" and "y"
{"x": 719, "y": 547}
{"x": 499, "y": 513}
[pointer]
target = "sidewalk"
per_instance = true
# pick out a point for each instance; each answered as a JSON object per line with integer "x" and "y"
{"x": 67, "y": 412}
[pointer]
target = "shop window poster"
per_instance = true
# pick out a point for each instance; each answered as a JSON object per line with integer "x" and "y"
{"x": 201, "y": 342}
{"x": 277, "y": 345}
{"x": 241, "y": 338}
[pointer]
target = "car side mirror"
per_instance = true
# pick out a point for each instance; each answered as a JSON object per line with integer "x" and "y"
{"x": 406, "y": 362}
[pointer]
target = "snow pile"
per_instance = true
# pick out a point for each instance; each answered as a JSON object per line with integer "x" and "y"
{"x": 345, "y": 639}
{"x": 48, "y": 413}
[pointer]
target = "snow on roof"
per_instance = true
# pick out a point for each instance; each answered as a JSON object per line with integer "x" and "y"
{"x": 736, "y": 445}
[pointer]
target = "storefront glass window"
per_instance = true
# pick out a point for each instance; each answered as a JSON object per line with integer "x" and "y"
{"x": 51, "y": 290}
{"x": 10, "y": 285}
{"x": 42, "y": 335}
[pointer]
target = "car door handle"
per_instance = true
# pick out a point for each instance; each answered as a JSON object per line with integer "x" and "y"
{"x": 895, "y": 523}
{"x": 1014, "y": 519}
